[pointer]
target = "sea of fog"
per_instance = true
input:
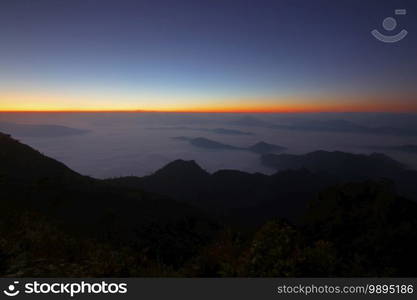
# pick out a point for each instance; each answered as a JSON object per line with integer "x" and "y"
{"x": 120, "y": 144}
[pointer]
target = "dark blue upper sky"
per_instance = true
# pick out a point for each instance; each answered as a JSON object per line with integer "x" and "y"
{"x": 202, "y": 55}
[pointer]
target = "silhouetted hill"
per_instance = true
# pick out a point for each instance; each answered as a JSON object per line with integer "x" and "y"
{"x": 207, "y": 143}
{"x": 344, "y": 166}
{"x": 181, "y": 168}
{"x": 263, "y": 148}
{"x": 22, "y": 163}
{"x": 258, "y": 196}
{"x": 260, "y": 148}
{"x": 239, "y": 195}
{"x": 336, "y": 163}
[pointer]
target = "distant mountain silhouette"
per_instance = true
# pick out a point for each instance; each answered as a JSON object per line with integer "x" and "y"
{"x": 205, "y": 143}
{"x": 401, "y": 148}
{"x": 239, "y": 194}
{"x": 39, "y": 130}
{"x": 224, "y": 131}
{"x": 181, "y": 167}
{"x": 347, "y": 166}
{"x": 347, "y": 127}
{"x": 232, "y": 193}
{"x": 264, "y": 148}
{"x": 337, "y": 163}
{"x": 337, "y": 125}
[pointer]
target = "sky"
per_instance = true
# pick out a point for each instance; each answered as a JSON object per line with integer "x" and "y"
{"x": 202, "y": 56}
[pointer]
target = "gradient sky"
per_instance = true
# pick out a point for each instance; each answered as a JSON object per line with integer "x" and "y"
{"x": 263, "y": 55}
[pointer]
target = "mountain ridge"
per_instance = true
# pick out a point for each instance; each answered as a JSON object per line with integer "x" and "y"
{"x": 40, "y": 130}
{"x": 332, "y": 125}
{"x": 205, "y": 143}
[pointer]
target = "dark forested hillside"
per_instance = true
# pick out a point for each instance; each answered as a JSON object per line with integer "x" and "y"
{"x": 184, "y": 221}
{"x": 34, "y": 187}
{"x": 24, "y": 164}
{"x": 286, "y": 193}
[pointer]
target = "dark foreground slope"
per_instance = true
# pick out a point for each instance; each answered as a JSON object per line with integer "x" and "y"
{"x": 21, "y": 163}
{"x": 349, "y": 230}
{"x": 36, "y": 190}
{"x": 32, "y": 180}
{"x": 56, "y": 222}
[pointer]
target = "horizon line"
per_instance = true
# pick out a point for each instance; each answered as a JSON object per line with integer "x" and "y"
{"x": 211, "y": 111}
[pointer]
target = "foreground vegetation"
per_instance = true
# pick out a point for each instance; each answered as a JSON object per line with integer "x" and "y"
{"x": 358, "y": 229}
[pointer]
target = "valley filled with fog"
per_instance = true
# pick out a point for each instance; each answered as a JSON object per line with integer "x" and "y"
{"x": 105, "y": 145}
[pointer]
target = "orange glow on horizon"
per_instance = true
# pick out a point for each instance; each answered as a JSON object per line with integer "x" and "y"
{"x": 26, "y": 102}
{"x": 270, "y": 110}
